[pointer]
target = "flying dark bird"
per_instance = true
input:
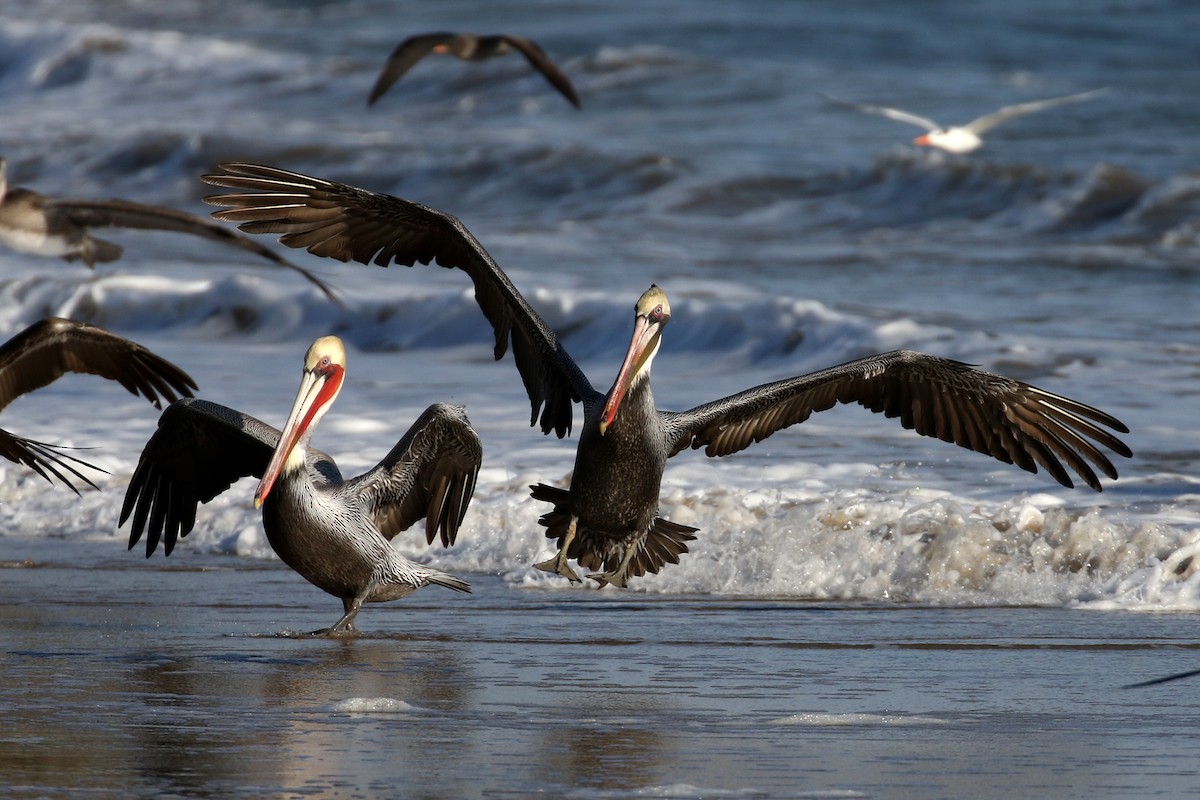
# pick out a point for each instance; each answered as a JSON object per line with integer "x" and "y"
{"x": 608, "y": 519}
{"x": 59, "y": 226}
{"x": 468, "y": 47}
{"x": 335, "y": 532}
{"x": 46, "y": 350}
{"x": 962, "y": 139}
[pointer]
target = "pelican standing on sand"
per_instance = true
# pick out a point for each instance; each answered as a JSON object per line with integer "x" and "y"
{"x": 59, "y": 226}
{"x": 608, "y": 518}
{"x": 46, "y": 350}
{"x": 335, "y": 532}
{"x": 468, "y": 47}
{"x": 962, "y": 139}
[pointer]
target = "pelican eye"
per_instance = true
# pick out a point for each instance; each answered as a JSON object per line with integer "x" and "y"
{"x": 656, "y": 314}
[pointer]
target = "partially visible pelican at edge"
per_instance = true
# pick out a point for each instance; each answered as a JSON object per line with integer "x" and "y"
{"x": 608, "y": 518}
{"x": 60, "y": 226}
{"x": 52, "y": 347}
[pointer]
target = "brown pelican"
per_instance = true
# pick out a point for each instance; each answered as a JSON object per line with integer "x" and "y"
{"x": 961, "y": 139}
{"x": 469, "y": 47}
{"x": 335, "y": 532}
{"x": 59, "y": 226}
{"x": 608, "y": 518}
{"x": 46, "y": 350}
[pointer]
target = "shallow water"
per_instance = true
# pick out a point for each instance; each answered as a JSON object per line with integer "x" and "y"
{"x": 173, "y": 679}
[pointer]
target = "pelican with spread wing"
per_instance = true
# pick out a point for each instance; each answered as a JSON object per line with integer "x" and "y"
{"x": 608, "y": 519}
{"x": 336, "y": 532}
{"x": 469, "y": 47}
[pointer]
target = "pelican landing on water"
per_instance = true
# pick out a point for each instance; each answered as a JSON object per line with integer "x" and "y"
{"x": 608, "y": 519}
{"x": 335, "y": 532}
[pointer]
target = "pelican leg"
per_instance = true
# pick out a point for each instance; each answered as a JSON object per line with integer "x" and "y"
{"x": 346, "y": 624}
{"x": 559, "y": 564}
{"x": 618, "y": 577}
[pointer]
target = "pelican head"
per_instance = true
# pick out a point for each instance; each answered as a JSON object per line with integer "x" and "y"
{"x": 652, "y": 312}
{"x": 324, "y": 368}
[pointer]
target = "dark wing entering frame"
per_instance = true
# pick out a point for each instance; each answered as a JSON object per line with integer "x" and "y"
{"x": 52, "y": 347}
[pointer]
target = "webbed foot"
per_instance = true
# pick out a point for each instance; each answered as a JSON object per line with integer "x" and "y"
{"x": 336, "y": 631}
{"x": 617, "y": 578}
{"x": 559, "y": 565}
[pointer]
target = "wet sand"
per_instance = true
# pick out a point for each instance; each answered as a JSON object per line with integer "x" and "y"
{"x": 126, "y": 677}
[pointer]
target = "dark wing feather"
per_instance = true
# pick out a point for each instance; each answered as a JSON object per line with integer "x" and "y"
{"x": 45, "y": 459}
{"x": 46, "y": 350}
{"x": 403, "y": 58}
{"x": 542, "y": 63}
{"x": 199, "y": 450}
{"x": 343, "y": 222}
{"x": 1009, "y": 420}
{"x": 430, "y": 473}
{"x": 115, "y": 213}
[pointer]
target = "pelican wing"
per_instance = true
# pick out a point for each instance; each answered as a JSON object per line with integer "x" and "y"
{"x": 45, "y": 459}
{"x": 884, "y": 111}
{"x": 1009, "y": 420}
{"x": 46, "y": 350}
{"x": 989, "y": 121}
{"x": 199, "y": 450}
{"x": 335, "y": 220}
{"x": 115, "y": 213}
{"x": 542, "y": 63}
{"x": 403, "y": 58}
{"x": 430, "y": 473}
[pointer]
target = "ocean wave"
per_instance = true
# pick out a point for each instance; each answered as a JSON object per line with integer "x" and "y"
{"x": 908, "y": 193}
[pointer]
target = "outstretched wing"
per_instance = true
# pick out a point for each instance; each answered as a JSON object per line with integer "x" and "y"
{"x": 115, "y": 213}
{"x": 46, "y": 350}
{"x": 1009, "y": 420}
{"x": 542, "y": 63}
{"x": 199, "y": 450}
{"x": 884, "y": 111}
{"x": 44, "y": 459}
{"x": 430, "y": 473}
{"x": 335, "y": 220}
{"x": 989, "y": 121}
{"x": 403, "y": 58}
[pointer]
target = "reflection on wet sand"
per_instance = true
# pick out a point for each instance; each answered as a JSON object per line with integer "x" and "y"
{"x": 110, "y": 691}
{"x": 607, "y": 754}
{"x": 291, "y": 696}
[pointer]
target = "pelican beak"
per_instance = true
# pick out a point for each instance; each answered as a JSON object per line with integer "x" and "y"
{"x": 641, "y": 349}
{"x": 922, "y": 140}
{"x": 318, "y": 387}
